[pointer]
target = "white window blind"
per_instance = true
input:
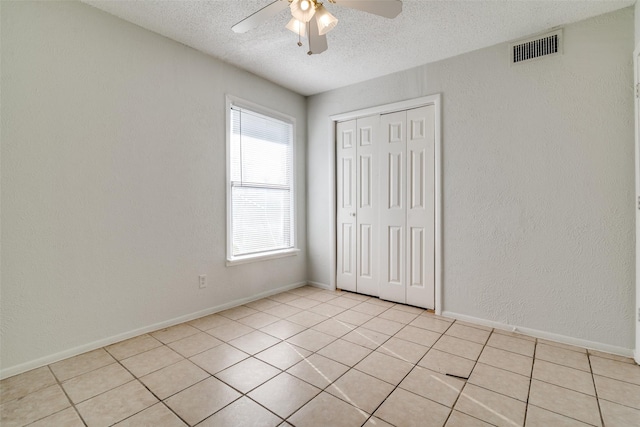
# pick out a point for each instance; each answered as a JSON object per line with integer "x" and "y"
{"x": 261, "y": 180}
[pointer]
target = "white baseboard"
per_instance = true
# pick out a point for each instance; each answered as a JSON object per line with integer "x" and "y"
{"x": 627, "y": 352}
{"x": 320, "y": 285}
{"x": 52, "y": 358}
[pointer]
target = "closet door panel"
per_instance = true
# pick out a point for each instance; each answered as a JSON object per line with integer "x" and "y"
{"x": 367, "y": 205}
{"x": 393, "y": 193}
{"x": 420, "y": 209}
{"x": 347, "y": 205}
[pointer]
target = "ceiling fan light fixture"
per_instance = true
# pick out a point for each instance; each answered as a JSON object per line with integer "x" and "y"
{"x": 297, "y": 27}
{"x": 326, "y": 21}
{"x": 303, "y": 10}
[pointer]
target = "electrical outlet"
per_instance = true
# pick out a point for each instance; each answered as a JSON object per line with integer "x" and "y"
{"x": 202, "y": 280}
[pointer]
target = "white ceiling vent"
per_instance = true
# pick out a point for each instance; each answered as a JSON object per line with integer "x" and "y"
{"x": 544, "y": 45}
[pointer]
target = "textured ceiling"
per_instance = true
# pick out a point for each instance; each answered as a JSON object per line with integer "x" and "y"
{"x": 362, "y": 46}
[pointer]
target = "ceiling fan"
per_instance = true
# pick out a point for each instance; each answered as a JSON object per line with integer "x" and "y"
{"x": 310, "y": 19}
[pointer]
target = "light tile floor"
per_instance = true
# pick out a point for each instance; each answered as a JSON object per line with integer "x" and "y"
{"x": 310, "y": 357}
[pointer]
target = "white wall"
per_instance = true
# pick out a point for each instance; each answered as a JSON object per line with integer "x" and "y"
{"x": 537, "y": 178}
{"x": 113, "y": 181}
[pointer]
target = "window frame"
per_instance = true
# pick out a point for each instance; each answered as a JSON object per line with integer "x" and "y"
{"x": 279, "y": 253}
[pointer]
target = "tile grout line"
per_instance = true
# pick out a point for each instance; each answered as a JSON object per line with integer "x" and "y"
{"x": 595, "y": 390}
{"x": 59, "y": 383}
{"x": 526, "y": 408}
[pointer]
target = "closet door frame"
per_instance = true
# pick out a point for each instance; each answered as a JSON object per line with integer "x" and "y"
{"x": 436, "y": 101}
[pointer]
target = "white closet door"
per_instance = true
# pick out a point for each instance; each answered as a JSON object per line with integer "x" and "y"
{"x": 393, "y": 207}
{"x": 420, "y": 207}
{"x": 367, "y": 206}
{"x": 346, "y": 206}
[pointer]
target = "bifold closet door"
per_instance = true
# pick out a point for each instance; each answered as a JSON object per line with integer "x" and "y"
{"x": 357, "y": 216}
{"x": 407, "y": 216}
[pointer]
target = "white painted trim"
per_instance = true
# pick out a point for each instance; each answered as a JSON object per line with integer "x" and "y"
{"x": 564, "y": 339}
{"x": 320, "y": 285}
{"x": 636, "y": 114}
{"x": 435, "y": 100}
{"x": 52, "y": 358}
{"x": 262, "y": 257}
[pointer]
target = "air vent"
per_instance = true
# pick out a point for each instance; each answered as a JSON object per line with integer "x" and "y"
{"x": 537, "y": 47}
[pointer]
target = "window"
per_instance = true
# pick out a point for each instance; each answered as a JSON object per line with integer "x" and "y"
{"x": 260, "y": 184}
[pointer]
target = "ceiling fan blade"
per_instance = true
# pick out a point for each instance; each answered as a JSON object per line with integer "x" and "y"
{"x": 254, "y": 20}
{"x": 386, "y": 8}
{"x": 317, "y": 43}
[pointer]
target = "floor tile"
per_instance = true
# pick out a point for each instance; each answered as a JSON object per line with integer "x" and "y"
{"x": 384, "y": 326}
{"x": 563, "y": 356}
{"x": 333, "y": 327}
{"x": 33, "y": 407}
{"x": 218, "y": 358}
{"x": 564, "y": 402}
{"x": 202, "y": 400}
{"x": 507, "y": 360}
{"x": 194, "y": 344}
{"x": 433, "y": 385}
{"x": 418, "y": 335}
{"x": 500, "y": 381}
{"x": 398, "y": 316}
{"x": 538, "y": 417}
{"x": 93, "y": 383}
{"x": 230, "y": 331}
{"x": 344, "y": 302}
{"x": 513, "y": 334}
{"x": 248, "y": 374}
{"x": 563, "y": 376}
{"x": 430, "y": 323}
{"x": 303, "y": 303}
{"x": 514, "y": 345}
{"x": 283, "y": 310}
{"x": 156, "y": 415}
{"x": 307, "y": 318}
{"x": 115, "y": 405}
{"x": 74, "y": 366}
{"x": 173, "y": 378}
{"x": 361, "y": 390}
{"x": 242, "y": 412}
{"x": 617, "y": 391}
{"x": 406, "y": 409}
{"x": 370, "y": 309}
{"x": 258, "y": 320}
{"x": 133, "y": 346}
{"x": 318, "y": 370}
{"x": 376, "y": 422}
{"x": 619, "y": 415}
{"x": 283, "y": 297}
{"x": 345, "y": 352}
{"x": 283, "y": 355}
{"x": 561, "y": 345}
{"x": 474, "y": 325}
{"x": 355, "y": 296}
{"x": 284, "y": 394}
{"x": 174, "y": 333}
{"x": 409, "y": 309}
{"x": 262, "y": 304}
{"x": 458, "y": 419}
{"x": 236, "y": 313}
{"x": 491, "y": 407}
{"x": 150, "y": 361}
{"x": 617, "y": 370}
{"x": 381, "y": 302}
{"x": 445, "y": 363}
{"x": 325, "y": 410}
{"x": 459, "y": 347}
{"x": 384, "y": 367}
{"x": 22, "y": 384}
{"x": 311, "y": 340}
{"x": 616, "y": 357}
{"x": 468, "y": 333}
{"x": 403, "y": 350}
{"x": 254, "y": 342}
{"x": 366, "y": 338}
{"x": 283, "y": 329}
{"x": 327, "y": 309}
{"x": 323, "y": 296}
{"x": 209, "y": 322}
{"x": 353, "y": 317}
{"x": 67, "y": 418}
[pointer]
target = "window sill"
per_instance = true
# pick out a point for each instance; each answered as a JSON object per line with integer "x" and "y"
{"x": 262, "y": 257}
